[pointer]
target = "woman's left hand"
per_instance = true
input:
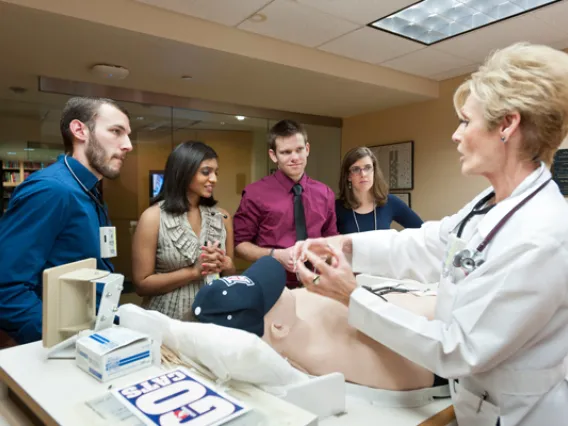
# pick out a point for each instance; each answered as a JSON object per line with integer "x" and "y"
{"x": 335, "y": 280}
{"x": 215, "y": 260}
{"x": 211, "y": 259}
{"x": 227, "y": 263}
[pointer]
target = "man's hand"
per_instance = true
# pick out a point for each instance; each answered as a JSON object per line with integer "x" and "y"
{"x": 321, "y": 247}
{"x": 333, "y": 278}
{"x": 284, "y": 256}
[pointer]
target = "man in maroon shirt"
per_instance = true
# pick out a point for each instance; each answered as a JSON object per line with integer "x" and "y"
{"x": 270, "y": 218}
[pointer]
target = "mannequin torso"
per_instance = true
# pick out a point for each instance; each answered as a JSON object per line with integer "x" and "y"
{"x": 313, "y": 333}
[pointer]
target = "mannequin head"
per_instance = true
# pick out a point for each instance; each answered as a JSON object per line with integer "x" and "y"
{"x": 311, "y": 331}
{"x": 242, "y": 301}
{"x": 280, "y": 321}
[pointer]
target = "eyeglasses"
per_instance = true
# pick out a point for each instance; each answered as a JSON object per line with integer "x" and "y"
{"x": 356, "y": 170}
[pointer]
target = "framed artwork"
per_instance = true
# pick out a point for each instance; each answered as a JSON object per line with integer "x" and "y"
{"x": 404, "y": 196}
{"x": 560, "y": 170}
{"x": 396, "y": 161}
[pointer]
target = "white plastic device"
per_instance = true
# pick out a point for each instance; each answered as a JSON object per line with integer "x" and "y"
{"x": 69, "y": 304}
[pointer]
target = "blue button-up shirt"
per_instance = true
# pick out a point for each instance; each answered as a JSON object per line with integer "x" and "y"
{"x": 50, "y": 221}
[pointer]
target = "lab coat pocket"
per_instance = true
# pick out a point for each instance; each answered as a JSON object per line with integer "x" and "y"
{"x": 472, "y": 409}
{"x": 445, "y": 299}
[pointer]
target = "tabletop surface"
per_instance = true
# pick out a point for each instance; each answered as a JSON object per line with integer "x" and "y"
{"x": 62, "y": 390}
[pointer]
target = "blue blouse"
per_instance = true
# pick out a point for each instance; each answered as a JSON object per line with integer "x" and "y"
{"x": 395, "y": 209}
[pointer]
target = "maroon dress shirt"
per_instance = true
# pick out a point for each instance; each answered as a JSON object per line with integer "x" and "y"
{"x": 265, "y": 216}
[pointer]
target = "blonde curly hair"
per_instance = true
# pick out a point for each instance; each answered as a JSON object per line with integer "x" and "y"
{"x": 531, "y": 80}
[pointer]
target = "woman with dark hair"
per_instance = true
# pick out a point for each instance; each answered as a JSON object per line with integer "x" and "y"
{"x": 182, "y": 237}
{"x": 364, "y": 202}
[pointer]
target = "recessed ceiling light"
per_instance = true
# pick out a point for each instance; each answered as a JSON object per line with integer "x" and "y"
{"x": 257, "y": 17}
{"x": 186, "y": 77}
{"x": 222, "y": 123}
{"x": 431, "y": 21}
{"x": 111, "y": 72}
{"x": 240, "y": 117}
{"x": 140, "y": 118}
{"x": 29, "y": 149}
{"x": 11, "y": 153}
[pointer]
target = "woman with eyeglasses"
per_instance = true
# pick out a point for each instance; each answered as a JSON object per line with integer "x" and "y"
{"x": 364, "y": 202}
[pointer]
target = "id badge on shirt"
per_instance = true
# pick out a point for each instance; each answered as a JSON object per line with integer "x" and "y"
{"x": 108, "y": 241}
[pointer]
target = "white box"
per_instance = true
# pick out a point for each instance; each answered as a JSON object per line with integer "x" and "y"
{"x": 113, "y": 352}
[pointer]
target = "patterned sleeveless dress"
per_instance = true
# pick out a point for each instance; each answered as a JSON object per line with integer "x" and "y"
{"x": 179, "y": 247}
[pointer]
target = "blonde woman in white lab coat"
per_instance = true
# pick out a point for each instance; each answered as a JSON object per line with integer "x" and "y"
{"x": 501, "y": 328}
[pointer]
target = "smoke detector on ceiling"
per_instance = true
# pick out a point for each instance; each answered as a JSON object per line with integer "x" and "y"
{"x": 112, "y": 72}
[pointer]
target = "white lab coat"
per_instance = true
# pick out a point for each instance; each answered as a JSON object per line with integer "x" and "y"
{"x": 503, "y": 329}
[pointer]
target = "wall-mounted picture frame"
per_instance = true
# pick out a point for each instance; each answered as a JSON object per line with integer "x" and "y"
{"x": 560, "y": 170}
{"x": 396, "y": 161}
{"x": 404, "y": 196}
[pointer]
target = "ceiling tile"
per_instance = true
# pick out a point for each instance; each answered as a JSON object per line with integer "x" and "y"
{"x": 290, "y": 21}
{"x": 455, "y": 72}
{"x": 426, "y": 62}
{"x": 359, "y": 11}
{"x": 223, "y": 12}
{"x": 370, "y": 45}
{"x": 476, "y": 45}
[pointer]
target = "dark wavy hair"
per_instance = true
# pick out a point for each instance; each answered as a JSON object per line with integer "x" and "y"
{"x": 380, "y": 188}
{"x": 182, "y": 164}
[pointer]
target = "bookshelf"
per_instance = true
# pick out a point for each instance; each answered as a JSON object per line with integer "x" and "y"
{"x": 14, "y": 172}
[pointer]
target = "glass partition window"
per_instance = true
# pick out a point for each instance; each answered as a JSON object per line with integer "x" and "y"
{"x": 26, "y": 143}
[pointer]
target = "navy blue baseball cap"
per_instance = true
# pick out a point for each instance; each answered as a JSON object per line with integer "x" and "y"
{"x": 242, "y": 301}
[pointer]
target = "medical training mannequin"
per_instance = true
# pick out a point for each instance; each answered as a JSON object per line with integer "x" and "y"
{"x": 312, "y": 332}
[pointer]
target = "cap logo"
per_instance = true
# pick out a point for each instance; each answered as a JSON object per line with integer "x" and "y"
{"x": 237, "y": 279}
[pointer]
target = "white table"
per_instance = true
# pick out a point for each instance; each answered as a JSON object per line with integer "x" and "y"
{"x": 56, "y": 391}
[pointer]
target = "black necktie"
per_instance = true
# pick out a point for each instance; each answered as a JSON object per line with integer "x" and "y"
{"x": 299, "y": 215}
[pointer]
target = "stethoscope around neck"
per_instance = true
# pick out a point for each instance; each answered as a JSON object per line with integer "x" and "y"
{"x": 89, "y": 193}
{"x": 470, "y": 260}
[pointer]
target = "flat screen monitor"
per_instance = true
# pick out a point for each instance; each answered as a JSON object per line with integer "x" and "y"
{"x": 156, "y": 182}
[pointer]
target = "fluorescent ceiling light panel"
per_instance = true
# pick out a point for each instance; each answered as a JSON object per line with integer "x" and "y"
{"x": 431, "y": 21}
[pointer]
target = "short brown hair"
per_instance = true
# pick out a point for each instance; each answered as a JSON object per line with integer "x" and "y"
{"x": 380, "y": 187}
{"x": 85, "y": 110}
{"x": 284, "y": 129}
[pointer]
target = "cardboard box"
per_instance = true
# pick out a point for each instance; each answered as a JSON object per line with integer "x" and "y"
{"x": 113, "y": 352}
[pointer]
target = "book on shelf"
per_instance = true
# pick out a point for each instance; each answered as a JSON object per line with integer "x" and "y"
{"x": 10, "y": 164}
{"x": 11, "y": 177}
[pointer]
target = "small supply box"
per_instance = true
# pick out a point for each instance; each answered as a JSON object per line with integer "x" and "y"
{"x": 113, "y": 352}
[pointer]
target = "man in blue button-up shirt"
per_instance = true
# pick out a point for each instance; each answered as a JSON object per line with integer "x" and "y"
{"x": 54, "y": 216}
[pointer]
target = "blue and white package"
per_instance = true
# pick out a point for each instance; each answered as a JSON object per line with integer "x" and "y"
{"x": 177, "y": 397}
{"x": 113, "y": 352}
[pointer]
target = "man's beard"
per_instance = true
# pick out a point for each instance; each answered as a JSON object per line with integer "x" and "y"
{"x": 96, "y": 156}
